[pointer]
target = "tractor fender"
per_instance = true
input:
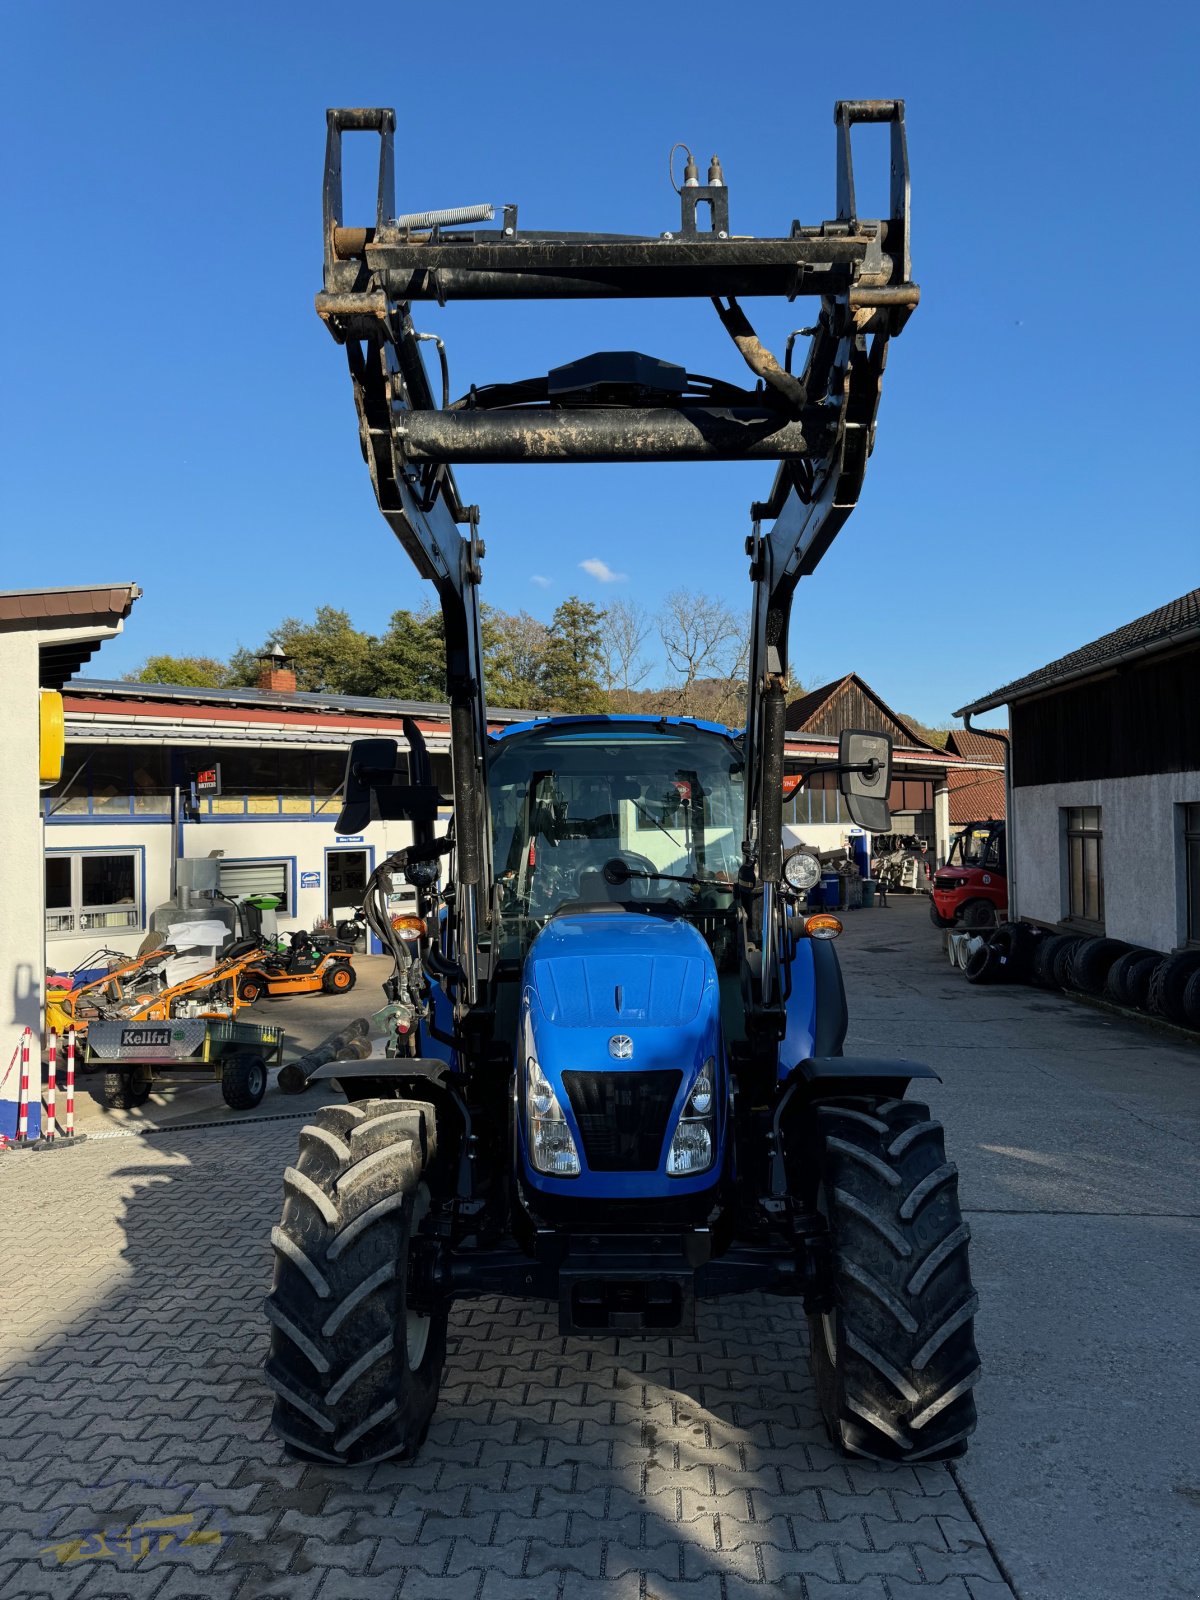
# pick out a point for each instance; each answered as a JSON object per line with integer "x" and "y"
{"x": 816, "y": 1012}
{"x": 833, "y": 1078}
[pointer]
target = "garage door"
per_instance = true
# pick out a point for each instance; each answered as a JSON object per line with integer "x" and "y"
{"x": 241, "y": 879}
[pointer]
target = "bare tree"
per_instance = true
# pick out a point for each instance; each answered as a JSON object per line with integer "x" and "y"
{"x": 707, "y": 646}
{"x": 623, "y": 634}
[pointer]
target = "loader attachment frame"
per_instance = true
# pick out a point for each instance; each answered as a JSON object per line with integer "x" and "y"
{"x": 817, "y": 426}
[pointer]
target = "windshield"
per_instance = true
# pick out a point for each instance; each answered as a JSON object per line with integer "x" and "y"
{"x": 567, "y": 803}
{"x": 971, "y": 848}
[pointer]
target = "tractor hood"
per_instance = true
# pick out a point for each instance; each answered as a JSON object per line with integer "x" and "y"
{"x": 619, "y": 970}
{"x": 621, "y": 1018}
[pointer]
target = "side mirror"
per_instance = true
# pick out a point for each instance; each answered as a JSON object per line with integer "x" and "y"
{"x": 865, "y": 778}
{"x": 376, "y": 789}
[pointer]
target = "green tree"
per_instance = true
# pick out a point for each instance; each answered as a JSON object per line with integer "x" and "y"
{"x": 514, "y": 655}
{"x": 193, "y": 672}
{"x": 408, "y": 661}
{"x": 573, "y": 665}
{"x": 330, "y": 655}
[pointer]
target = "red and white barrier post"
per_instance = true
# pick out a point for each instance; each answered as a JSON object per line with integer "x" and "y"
{"x": 70, "y": 1124}
{"x": 48, "y": 1128}
{"x": 23, "y": 1100}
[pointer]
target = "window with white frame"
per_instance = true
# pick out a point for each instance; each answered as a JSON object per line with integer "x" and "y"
{"x": 93, "y": 891}
{"x": 1085, "y": 866}
{"x": 1191, "y": 868}
{"x": 241, "y": 879}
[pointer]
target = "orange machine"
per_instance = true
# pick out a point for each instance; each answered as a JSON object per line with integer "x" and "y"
{"x": 315, "y": 964}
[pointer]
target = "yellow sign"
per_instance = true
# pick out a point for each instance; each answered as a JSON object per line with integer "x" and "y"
{"x": 52, "y": 736}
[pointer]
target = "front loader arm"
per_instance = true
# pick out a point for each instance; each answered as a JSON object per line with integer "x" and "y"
{"x": 817, "y": 426}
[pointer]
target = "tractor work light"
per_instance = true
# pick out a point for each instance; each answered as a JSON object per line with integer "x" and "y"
{"x": 802, "y": 872}
{"x": 822, "y": 926}
{"x": 550, "y": 1143}
{"x": 691, "y": 1148}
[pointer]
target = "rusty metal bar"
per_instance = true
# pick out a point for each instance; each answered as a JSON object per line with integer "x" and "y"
{"x": 611, "y": 433}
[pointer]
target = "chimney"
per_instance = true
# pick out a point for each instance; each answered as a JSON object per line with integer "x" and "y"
{"x": 276, "y": 671}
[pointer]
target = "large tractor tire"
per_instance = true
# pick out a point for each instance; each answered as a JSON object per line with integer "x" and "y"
{"x": 1167, "y": 984}
{"x": 1090, "y": 963}
{"x": 1015, "y": 943}
{"x": 355, "y": 1372}
{"x": 1045, "y": 956}
{"x": 1191, "y": 1001}
{"x": 1063, "y": 958}
{"x": 1128, "y": 980}
{"x": 894, "y": 1357}
{"x": 125, "y": 1091}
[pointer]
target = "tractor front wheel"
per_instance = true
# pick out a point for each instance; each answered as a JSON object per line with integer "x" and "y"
{"x": 355, "y": 1369}
{"x": 893, "y": 1355}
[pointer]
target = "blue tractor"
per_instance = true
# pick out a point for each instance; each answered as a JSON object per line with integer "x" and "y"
{"x": 610, "y": 1071}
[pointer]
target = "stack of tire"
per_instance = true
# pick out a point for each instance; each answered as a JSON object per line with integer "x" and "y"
{"x": 1166, "y": 986}
{"x": 1005, "y": 956}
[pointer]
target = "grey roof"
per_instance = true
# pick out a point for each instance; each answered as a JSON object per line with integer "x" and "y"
{"x": 278, "y": 699}
{"x": 1173, "y": 623}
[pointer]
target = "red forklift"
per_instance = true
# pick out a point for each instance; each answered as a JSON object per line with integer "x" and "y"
{"x": 971, "y": 890}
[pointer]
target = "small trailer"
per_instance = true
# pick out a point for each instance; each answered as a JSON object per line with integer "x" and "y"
{"x": 132, "y": 1054}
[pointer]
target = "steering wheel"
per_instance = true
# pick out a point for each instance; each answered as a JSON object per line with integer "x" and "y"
{"x": 624, "y": 869}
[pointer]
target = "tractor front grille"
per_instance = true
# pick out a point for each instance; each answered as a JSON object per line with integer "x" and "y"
{"x": 622, "y": 1116}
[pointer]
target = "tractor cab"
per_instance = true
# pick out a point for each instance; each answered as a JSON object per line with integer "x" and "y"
{"x": 616, "y": 844}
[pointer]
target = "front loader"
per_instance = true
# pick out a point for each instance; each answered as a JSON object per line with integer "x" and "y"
{"x": 612, "y": 1071}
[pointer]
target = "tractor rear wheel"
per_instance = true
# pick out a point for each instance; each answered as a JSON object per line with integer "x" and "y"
{"x": 355, "y": 1370}
{"x": 894, "y": 1355}
{"x": 125, "y": 1091}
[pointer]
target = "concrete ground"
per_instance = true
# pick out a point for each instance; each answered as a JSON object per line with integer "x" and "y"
{"x": 137, "y": 1458}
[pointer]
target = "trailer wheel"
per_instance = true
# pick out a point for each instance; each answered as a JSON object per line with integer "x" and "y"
{"x": 1168, "y": 981}
{"x": 894, "y": 1356}
{"x": 125, "y": 1091}
{"x": 339, "y": 979}
{"x": 977, "y": 914}
{"x": 243, "y": 1082}
{"x": 355, "y": 1371}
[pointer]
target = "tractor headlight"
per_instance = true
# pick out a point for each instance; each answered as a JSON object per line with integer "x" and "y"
{"x": 802, "y": 872}
{"x": 550, "y": 1143}
{"x": 691, "y": 1148}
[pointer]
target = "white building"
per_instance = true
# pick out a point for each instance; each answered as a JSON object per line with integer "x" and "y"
{"x": 1104, "y": 819}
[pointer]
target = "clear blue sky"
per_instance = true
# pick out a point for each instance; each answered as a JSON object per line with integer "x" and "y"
{"x": 176, "y": 415}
